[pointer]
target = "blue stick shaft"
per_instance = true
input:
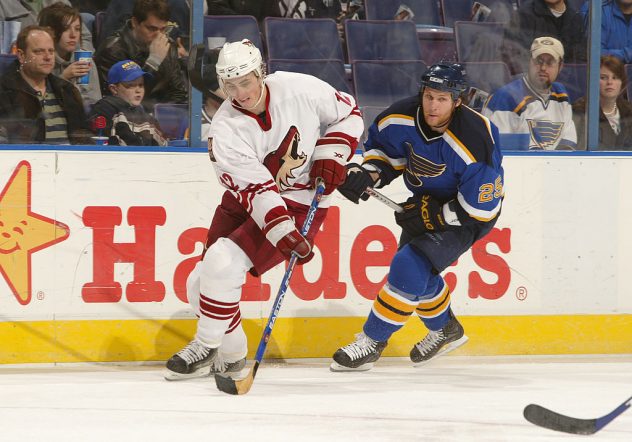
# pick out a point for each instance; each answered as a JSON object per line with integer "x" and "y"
{"x": 276, "y": 307}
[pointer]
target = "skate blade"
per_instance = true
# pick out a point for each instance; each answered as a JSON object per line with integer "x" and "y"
{"x": 173, "y": 376}
{"x": 336, "y": 367}
{"x": 448, "y": 348}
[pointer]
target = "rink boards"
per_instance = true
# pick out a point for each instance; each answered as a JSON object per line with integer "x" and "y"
{"x": 95, "y": 248}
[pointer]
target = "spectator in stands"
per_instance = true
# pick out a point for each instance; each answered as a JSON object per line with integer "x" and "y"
{"x": 119, "y": 11}
{"x": 533, "y": 112}
{"x": 30, "y": 93}
{"x": 203, "y": 77}
{"x": 259, "y": 9}
{"x": 352, "y": 10}
{"x": 143, "y": 39}
{"x": 615, "y": 111}
{"x": 65, "y": 21}
{"x": 90, "y": 6}
{"x": 404, "y": 13}
{"x": 26, "y": 11}
{"x": 538, "y": 18}
{"x": 616, "y": 28}
{"x": 305, "y": 9}
{"x": 126, "y": 121}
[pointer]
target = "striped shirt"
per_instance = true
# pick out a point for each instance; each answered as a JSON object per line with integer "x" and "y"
{"x": 54, "y": 118}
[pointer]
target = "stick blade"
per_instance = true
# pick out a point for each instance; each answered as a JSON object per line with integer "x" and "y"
{"x": 543, "y": 417}
{"x": 232, "y": 386}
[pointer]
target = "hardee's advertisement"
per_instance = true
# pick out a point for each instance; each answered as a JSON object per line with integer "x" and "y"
{"x": 98, "y": 245}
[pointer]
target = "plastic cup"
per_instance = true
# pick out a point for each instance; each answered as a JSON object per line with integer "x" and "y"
{"x": 87, "y": 57}
{"x": 100, "y": 141}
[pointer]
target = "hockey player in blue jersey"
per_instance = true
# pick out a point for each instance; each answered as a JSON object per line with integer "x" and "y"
{"x": 450, "y": 159}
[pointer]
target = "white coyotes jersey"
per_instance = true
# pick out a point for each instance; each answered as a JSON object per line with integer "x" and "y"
{"x": 261, "y": 159}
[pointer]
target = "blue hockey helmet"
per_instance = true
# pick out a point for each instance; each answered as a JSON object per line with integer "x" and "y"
{"x": 446, "y": 77}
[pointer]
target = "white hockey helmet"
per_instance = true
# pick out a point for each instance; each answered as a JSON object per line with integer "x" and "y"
{"x": 238, "y": 59}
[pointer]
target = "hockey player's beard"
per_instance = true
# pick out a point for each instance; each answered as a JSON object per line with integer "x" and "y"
{"x": 442, "y": 125}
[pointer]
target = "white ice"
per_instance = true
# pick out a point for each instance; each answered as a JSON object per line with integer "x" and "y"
{"x": 452, "y": 399}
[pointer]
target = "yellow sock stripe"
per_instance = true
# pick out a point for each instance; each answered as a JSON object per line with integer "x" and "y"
{"x": 431, "y": 308}
{"x": 392, "y": 309}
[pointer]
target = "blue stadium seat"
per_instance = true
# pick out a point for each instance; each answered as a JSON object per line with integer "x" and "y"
{"x": 478, "y": 41}
{"x": 368, "y": 115}
{"x": 233, "y": 28}
{"x": 426, "y": 11}
{"x": 99, "y": 18}
{"x": 461, "y": 10}
{"x": 575, "y": 78}
{"x": 487, "y": 76}
{"x": 173, "y": 119}
{"x": 381, "y": 40}
{"x": 331, "y": 71}
{"x": 292, "y": 38}
{"x": 437, "y": 44}
{"x": 6, "y": 60}
{"x": 381, "y": 83}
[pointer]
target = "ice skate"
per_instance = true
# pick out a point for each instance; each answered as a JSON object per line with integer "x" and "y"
{"x": 193, "y": 361}
{"x": 223, "y": 367}
{"x": 359, "y": 355}
{"x": 436, "y": 343}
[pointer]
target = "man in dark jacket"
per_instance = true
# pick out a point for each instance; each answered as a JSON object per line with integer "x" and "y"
{"x": 35, "y": 105}
{"x": 144, "y": 40}
{"x": 259, "y": 9}
{"x": 538, "y": 18}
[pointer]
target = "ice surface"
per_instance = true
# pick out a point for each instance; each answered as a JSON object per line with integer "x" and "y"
{"x": 451, "y": 399}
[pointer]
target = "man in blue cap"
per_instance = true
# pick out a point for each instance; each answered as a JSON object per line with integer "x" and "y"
{"x": 126, "y": 121}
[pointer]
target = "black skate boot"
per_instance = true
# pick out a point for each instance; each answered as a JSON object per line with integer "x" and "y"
{"x": 220, "y": 366}
{"x": 193, "y": 361}
{"x": 359, "y": 355}
{"x": 438, "y": 342}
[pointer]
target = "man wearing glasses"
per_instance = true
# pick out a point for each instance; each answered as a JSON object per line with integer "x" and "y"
{"x": 145, "y": 40}
{"x": 534, "y": 112}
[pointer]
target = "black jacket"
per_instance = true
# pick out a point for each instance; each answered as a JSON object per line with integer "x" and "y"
{"x": 608, "y": 140}
{"x": 168, "y": 83}
{"x": 259, "y": 9}
{"x": 534, "y": 19}
{"x": 127, "y": 125}
{"x": 21, "y": 116}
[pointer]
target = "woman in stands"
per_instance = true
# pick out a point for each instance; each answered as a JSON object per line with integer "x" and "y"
{"x": 615, "y": 111}
{"x": 65, "y": 21}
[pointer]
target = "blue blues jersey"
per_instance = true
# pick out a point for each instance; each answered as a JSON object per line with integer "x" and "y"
{"x": 526, "y": 120}
{"x": 463, "y": 164}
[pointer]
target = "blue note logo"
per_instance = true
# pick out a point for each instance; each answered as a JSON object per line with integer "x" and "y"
{"x": 545, "y": 134}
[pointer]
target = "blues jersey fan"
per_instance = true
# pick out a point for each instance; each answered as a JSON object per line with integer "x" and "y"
{"x": 450, "y": 159}
{"x": 533, "y": 112}
{"x": 267, "y": 149}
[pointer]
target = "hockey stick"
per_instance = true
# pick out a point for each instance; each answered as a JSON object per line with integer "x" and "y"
{"x": 242, "y": 386}
{"x": 546, "y": 418}
{"x": 383, "y": 199}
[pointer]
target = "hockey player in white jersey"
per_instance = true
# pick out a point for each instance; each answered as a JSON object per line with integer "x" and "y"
{"x": 267, "y": 149}
{"x": 533, "y": 112}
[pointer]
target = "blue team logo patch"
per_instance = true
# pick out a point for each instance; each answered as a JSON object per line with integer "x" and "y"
{"x": 545, "y": 133}
{"x": 419, "y": 166}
